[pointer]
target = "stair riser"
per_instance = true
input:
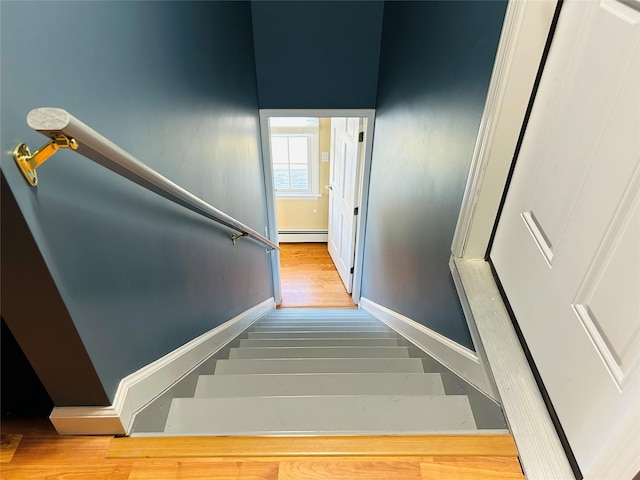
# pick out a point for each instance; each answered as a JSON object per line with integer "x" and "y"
{"x": 319, "y": 323}
{"x": 379, "y": 414}
{"x": 218, "y": 386}
{"x": 317, "y": 312}
{"x": 320, "y": 328}
{"x": 315, "y": 318}
{"x": 322, "y": 334}
{"x": 321, "y": 342}
{"x": 342, "y": 365}
{"x": 319, "y": 352}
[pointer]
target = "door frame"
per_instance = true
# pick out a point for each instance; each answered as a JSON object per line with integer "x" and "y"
{"x": 363, "y": 187}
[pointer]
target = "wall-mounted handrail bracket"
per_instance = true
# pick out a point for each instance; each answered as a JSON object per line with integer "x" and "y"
{"x": 235, "y": 237}
{"x": 28, "y": 162}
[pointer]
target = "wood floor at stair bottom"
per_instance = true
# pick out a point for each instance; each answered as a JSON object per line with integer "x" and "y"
{"x": 309, "y": 278}
{"x": 36, "y": 452}
{"x": 446, "y": 457}
{"x": 315, "y": 446}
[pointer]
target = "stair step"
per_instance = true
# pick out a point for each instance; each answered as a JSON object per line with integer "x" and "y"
{"x": 319, "y": 322}
{"x": 319, "y": 365}
{"x": 375, "y": 414}
{"x": 314, "y": 313}
{"x": 312, "y": 318}
{"x": 319, "y": 384}
{"x": 321, "y": 334}
{"x": 319, "y": 342}
{"x": 320, "y": 328}
{"x": 320, "y": 318}
{"x": 319, "y": 352}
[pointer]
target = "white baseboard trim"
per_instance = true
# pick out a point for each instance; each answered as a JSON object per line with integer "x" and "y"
{"x": 456, "y": 357}
{"x": 303, "y": 236}
{"x": 138, "y": 389}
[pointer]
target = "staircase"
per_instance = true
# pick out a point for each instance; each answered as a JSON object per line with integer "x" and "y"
{"x": 332, "y": 372}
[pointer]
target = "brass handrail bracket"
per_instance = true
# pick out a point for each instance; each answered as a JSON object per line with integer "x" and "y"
{"x": 236, "y": 238}
{"x": 28, "y": 162}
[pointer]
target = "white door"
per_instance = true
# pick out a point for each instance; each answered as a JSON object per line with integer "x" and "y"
{"x": 567, "y": 249}
{"x": 343, "y": 195}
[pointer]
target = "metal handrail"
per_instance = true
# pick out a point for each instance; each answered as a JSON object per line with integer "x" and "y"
{"x": 66, "y": 131}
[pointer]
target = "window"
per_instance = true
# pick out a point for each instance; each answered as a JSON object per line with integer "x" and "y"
{"x": 294, "y": 155}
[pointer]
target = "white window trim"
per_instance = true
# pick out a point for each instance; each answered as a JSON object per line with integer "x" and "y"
{"x": 297, "y": 196}
{"x": 314, "y": 189}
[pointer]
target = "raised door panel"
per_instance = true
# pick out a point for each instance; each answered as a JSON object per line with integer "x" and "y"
{"x": 589, "y": 101}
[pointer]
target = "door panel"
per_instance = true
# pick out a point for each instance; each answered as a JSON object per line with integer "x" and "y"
{"x": 567, "y": 248}
{"x": 343, "y": 194}
{"x": 604, "y": 304}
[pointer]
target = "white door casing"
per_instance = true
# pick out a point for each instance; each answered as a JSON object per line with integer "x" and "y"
{"x": 271, "y": 230}
{"x": 344, "y": 168}
{"x": 567, "y": 248}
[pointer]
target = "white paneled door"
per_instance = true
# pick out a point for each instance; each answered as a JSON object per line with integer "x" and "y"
{"x": 344, "y": 171}
{"x": 567, "y": 249}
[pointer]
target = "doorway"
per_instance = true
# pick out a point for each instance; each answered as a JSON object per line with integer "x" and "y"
{"x": 316, "y": 168}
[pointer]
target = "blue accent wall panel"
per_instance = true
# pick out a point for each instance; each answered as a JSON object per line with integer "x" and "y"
{"x": 174, "y": 84}
{"x": 317, "y": 54}
{"x": 435, "y": 65}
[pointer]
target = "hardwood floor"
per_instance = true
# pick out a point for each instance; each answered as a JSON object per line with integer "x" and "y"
{"x": 310, "y": 279}
{"x": 32, "y": 450}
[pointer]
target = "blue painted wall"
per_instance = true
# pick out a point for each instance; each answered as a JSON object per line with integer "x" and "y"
{"x": 317, "y": 54}
{"x": 173, "y": 83}
{"x": 435, "y": 65}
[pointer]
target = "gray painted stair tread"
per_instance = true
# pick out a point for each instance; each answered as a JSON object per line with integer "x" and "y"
{"x": 320, "y": 323}
{"x": 310, "y": 312}
{"x": 320, "y": 328}
{"x": 319, "y": 365}
{"x": 319, "y": 384}
{"x": 319, "y": 342}
{"x": 320, "y": 318}
{"x": 375, "y": 414}
{"x": 324, "y": 334}
{"x": 319, "y": 352}
{"x": 324, "y": 326}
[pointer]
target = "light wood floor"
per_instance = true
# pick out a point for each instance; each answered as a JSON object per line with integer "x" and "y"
{"x": 310, "y": 279}
{"x": 32, "y": 450}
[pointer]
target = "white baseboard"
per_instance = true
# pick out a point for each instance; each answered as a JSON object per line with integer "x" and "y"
{"x": 459, "y": 359}
{"x": 139, "y": 388}
{"x": 303, "y": 236}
